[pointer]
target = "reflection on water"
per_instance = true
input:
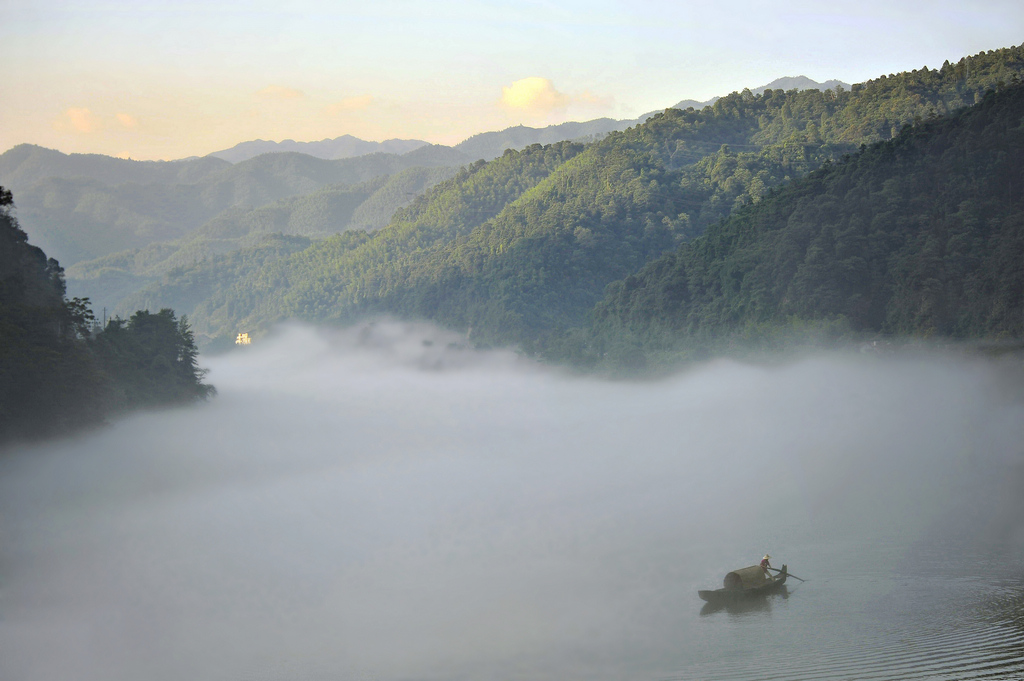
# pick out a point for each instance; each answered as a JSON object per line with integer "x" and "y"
{"x": 369, "y": 506}
{"x": 749, "y": 605}
{"x": 927, "y": 621}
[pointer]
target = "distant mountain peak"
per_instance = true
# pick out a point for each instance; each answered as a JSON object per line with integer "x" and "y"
{"x": 786, "y": 83}
{"x": 345, "y": 146}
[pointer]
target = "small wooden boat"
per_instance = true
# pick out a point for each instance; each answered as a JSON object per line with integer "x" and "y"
{"x": 745, "y": 583}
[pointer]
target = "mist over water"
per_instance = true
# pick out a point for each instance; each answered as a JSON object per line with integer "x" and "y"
{"x": 384, "y": 503}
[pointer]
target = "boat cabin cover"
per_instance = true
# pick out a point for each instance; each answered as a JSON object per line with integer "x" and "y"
{"x": 745, "y": 578}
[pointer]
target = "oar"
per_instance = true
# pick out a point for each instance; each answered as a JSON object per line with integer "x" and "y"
{"x": 788, "y": 574}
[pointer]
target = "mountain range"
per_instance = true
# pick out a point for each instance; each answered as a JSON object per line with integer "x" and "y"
{"x": 520, "y": 250}
{"x": 118, "y": 224}
{"x": 920, "y": 236}
{"x": 785, "y": 83}
{"x": 345, "y": 146}
{"x": 78, "y": 207}
{"x": 488, "y": 145}
{"x": 540, "y": 246}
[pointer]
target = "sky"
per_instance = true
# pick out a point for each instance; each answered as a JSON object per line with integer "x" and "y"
{"x": 166, "y": 80}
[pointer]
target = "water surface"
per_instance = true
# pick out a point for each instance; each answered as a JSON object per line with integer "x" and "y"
{"x": 373, "y": 506}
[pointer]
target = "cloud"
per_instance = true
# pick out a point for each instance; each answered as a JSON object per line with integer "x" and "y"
{"x": 539, "y": 96}
{"x": 534, "y": 94}
{"x": 279, "y": 93}
{"x": 127, "y": 120}
{"x": 351, "y": 104}
{"x": 78, "y": 119}
{"x": 81, "y": 119}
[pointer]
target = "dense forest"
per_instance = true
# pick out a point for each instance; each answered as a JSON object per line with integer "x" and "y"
{"x": 921, "y": 235}
{"x": 123, "y": 280}
{"x": 565, "y": 249}
{"x": 58, "y": 370}
{"x": 358, "y": 261}
{"x": 544, "y": 247}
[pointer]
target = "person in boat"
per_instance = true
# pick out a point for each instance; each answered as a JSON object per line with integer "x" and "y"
{"x": 766, "y": 565}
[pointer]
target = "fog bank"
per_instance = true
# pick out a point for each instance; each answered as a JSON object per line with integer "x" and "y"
{"x": 386, "y": 503}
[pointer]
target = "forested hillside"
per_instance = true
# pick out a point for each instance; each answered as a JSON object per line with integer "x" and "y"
{"x": 786, "y": 83}
{"x": 490, "y": 145}
{"x": 154, "y": 277}
{"x": 109, "y": 280}
{"x": 80, "y": 207}
{"x": 189, "y": 285}
{"x": 26, "y": 164}
{"x": 57, "y": 371}
{"x": 919, "y": 236}
{"x": 538, "y": 262}
{"x": 308, "y": 284}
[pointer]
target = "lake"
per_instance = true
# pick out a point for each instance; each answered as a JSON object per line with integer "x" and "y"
{"x": 385, "y": 503}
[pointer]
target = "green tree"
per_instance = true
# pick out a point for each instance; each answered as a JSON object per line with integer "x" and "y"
{"x": 55, "y": 377}
{"x": 152, "y": 359}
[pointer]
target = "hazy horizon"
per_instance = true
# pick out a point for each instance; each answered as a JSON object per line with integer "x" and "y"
{"x": 166, "y": 81}
{"x": 286, "y": 140}
{"x": 789, "y": 324}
